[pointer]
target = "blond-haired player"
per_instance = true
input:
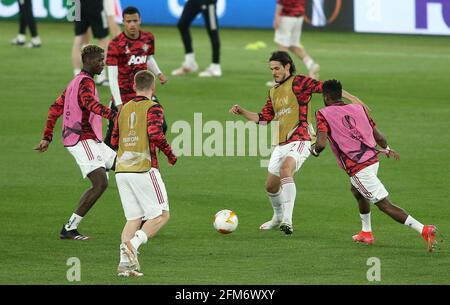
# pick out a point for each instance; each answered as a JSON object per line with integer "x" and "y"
{"x": 137, "y": 134}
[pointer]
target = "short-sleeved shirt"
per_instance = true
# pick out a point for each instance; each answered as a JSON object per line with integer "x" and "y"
{"x": 130, "y": 56}
{"x": 292, "y": 8}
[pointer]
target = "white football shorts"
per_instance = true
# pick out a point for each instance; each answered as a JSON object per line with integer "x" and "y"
{"x": 142, "y": 194}
{"x": 109, "y": 7}
{"x": 91, "y": 155}
{"x": 368, "y": 184}
{"x": 289, "y": 32}
{"x": 299, "y": 150}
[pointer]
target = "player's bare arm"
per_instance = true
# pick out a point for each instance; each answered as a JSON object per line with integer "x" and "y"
{"x": 238, "y": 110}
{"x": 277, "y": 18}
{"x": 354, "y": 99}
{"x": 382, "y": 142}
{"x": 320, "y": 144}
{"x": 162, "y": 78}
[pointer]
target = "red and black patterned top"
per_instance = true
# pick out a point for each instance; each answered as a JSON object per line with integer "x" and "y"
{"x": 130, "y": 56}
{"x": 156, "y": 137}
{"x": 292, "y": 8}
{"x": 350, "y": 166}
{"x": 87, "y": 103}
{"x": 303, "y": 88}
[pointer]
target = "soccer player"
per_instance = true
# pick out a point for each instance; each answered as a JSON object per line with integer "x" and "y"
{"x": 92, "y": 16}
{"x": 354, "y": 137}
{"x": 110, "y": 7}
{"x": 137, "y": 134}
{"x": 287, "y": 104}
{"x": 208, "y": 10}
{"x": 82, "y": 134}
{"x": 26, "y": 19}
{"x": 132, "y": 51}
{"x": 288, "y": 22}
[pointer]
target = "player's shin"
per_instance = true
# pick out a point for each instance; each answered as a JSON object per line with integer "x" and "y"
{"x": 289, "y": 193}
{"x": 277, "y": 200}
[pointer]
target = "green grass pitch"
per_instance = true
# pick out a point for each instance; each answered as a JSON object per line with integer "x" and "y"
{"x": 404, "y": 79}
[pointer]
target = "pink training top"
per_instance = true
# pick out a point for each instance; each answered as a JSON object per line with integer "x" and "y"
{"x": 351, "y": 133}
{"x": 73, "y": 114}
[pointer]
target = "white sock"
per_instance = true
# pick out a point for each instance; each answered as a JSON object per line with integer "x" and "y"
{"x": 20, "y": 37}
{"x": 123, "y": 257}
{"x": 365, "y": 220}
{"x": 73, "y": 222}
{"x": 309, "y": 62}
{"x": 76, "y": 71}
{"x": 189, "y": 58}
{"x": 277, "y": 200}
{"x": 412, "y": 223}
{"x": 289, "y": 193}
{"x": 139, "y": 238}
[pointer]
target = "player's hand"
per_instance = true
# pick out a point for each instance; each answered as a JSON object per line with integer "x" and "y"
{"x": 313, "y": 151}
{"x": 390, "y": 153}
{"x": 173, "y": 160}
{"x": 236, "y": 109}
{"x": 162, "y": 79}
{"x": 42, "y": 146}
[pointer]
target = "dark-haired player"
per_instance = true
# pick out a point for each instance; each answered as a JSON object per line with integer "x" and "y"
{"x": 130, "y": 52}
{"x": 287, "y": 104}
{"x": 82, "y": 134}
{"x": 354, "y": 137}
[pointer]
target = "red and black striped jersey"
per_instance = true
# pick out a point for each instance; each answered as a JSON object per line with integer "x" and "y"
{"x": 292, "y": 8}
{"x": 350, "y": 166}
{"x": 156, "y": 137}
{"x": 130, "y": 56}
{"x": 87, "y": 103}
{"x": 303, "y": 88}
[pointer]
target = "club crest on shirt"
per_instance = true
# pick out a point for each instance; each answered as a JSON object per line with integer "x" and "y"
{"x": 145, "y": 48}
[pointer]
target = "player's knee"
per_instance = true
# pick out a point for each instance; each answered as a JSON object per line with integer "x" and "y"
{"x": 101, "y": 185}
{"x": 285, "y": 171}
{"x": 272, "y": 188}
{"x": 384, "y": 205}
{"x": 165, "y": 216}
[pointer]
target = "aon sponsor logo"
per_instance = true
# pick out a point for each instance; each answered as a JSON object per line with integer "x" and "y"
{"x": 137, "y": 60}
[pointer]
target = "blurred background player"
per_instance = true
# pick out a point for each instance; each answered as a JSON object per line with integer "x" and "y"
{"x": 288, "y": 23}
{"x": 208, "y": 9}
{"x": 82, "y": 134}
{"x": 140, "y": 185}
{"x": 287, "y": 104}
{"x": 111, "y": 8}
{"x": 131, "y": 51}
{"x": 353, "y": 137}
{"x": 92, "y": 16}
{"x": 26, "y": 19}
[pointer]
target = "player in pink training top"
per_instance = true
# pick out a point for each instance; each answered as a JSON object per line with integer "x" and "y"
{"x": 353, "y": 137}
{"x": 82, "y": 134}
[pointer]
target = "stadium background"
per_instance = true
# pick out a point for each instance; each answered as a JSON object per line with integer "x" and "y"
{"x": 404, "y": 78}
